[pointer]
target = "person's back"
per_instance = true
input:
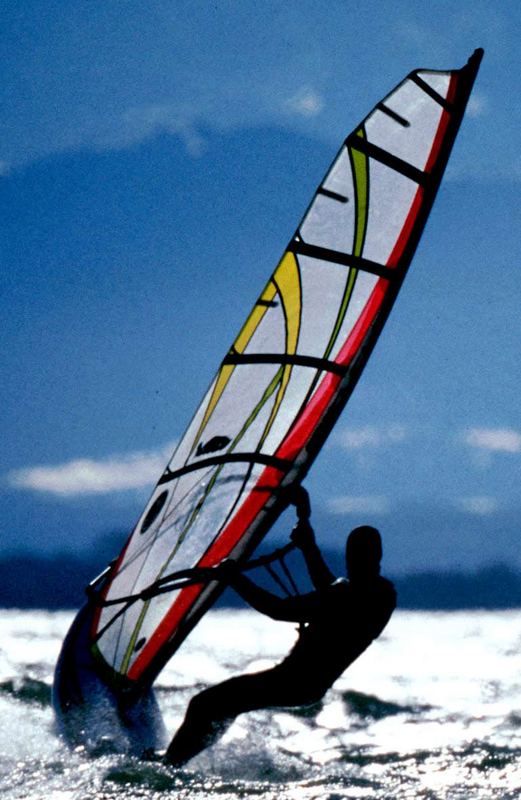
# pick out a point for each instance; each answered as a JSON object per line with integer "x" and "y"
{"x": 349, "y": 615}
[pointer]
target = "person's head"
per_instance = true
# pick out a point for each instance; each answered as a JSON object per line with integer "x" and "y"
{"x": 363, "y": 552}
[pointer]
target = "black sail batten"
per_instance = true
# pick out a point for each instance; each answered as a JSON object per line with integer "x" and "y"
{"x": 284, "y": 359}
{"x": 388, "y": 159}
{"x": 227, "y": 458}
{"x": 299, "y": 247}
{"x": 341, "y": 198}
{"x": 433, "y": 94}
{"x": 393, "y": 115}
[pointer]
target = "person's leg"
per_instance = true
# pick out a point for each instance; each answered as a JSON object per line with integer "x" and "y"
{"x": 197, "y": 732}
{"x": 213, "y": 710}
{"x": 208, "y": 715}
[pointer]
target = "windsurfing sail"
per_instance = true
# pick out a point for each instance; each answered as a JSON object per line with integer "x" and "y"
{"x": 289, "y": 373}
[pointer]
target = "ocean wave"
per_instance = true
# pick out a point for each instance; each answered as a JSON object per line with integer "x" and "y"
{"x": 368, "y": 706}
{"x": 27, "y": 690}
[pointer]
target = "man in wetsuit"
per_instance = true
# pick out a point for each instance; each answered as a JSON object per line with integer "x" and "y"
{"x": 338, "y": 621}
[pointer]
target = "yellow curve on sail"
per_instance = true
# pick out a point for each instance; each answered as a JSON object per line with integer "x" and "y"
{"x": 240, "y": 344}
{"x": 287, "y": 279}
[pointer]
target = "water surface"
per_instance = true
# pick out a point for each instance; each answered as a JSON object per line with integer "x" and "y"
{"x": 432, "y": 710}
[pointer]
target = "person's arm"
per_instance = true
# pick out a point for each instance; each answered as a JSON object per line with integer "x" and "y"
{"x": 319, "y": 572}
{"x": 289, "y": 609}
{"x": 304, "y": 537}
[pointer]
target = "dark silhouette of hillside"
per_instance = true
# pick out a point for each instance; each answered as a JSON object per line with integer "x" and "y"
{"x": 28, "y": 581}
{"x": 492, "y": 587}
{"x": 44, "y": 582}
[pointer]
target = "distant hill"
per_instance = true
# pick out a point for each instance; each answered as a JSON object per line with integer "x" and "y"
{"x": 494, "y": 587}
{"x": 58, "y": 582}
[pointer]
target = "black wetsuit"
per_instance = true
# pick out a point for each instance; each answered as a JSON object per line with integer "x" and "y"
{"x": 337, "y": 623}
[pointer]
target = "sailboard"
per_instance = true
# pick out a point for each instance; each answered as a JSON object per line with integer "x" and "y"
{"x": 278, "y": 391}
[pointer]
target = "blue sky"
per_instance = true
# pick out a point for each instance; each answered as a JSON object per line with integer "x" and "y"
{"x": 155, "y": 160}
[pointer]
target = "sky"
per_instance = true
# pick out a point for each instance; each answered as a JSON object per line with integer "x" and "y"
{"x": 155, "y": 159}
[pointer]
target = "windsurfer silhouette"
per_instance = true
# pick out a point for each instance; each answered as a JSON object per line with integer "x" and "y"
{"x": 337, "y": 622}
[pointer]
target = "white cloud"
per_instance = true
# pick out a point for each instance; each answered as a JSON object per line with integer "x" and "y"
{"x": 498, "y": 440}
{"x": 477, "y": 105}
{"x": 306, "y": 102}
{"x": 371, "y": 436}
{"x": 86, "y": 476}
{"x": 468, "y": 168}
{"x": 139, "y": 123}
{"x": 368, "y": 504}
{"x": 481, "y": 506}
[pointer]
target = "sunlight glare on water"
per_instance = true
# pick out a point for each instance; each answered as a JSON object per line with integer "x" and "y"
{"x": 432, "y": 710}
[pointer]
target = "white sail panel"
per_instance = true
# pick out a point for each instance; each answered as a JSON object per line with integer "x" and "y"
{"x": 338, "y": 285}
{"x": 391, "y": 199}
{"x": 331, "y": 282}
{"x": 409, "y": 131}
{"x": 330, "y": 223}
{"x": 439, "y": 81}
{"x": 339, "y": 179}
